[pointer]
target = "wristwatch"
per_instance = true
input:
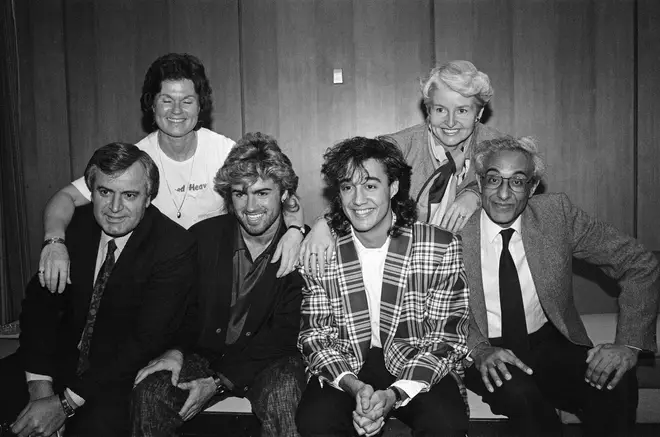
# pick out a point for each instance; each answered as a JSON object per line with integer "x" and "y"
{"x": 69, "y": 411}
{"x": 397, "y": 396}
{"x": 301, "y": 229}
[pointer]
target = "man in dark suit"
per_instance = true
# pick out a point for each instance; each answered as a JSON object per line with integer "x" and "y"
{"x": 247, "y": 318}
{"x": 131, "y": 270}
{"x": 530, "y": 349}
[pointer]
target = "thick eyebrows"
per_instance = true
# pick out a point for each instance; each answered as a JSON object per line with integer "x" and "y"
{"x": 497, "y": 170}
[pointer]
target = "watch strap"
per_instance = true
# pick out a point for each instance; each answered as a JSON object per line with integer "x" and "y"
{"x": 69, "y": 411}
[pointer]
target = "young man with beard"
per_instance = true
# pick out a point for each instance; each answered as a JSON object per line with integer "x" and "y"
{"x": 246, "y": 318}
{"x": 384, "y": 330}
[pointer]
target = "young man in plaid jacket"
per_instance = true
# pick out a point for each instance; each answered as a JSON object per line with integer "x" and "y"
{"x": 384, "y": 329}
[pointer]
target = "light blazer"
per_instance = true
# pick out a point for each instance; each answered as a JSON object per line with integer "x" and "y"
{"x": 142, "y": 306}
{"x": 553, "y": 232}
{"x": 414, "y": 143}
{"x": 424, "y": 309}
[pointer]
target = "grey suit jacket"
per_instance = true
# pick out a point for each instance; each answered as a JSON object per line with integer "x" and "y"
{"x": 553, "y": 232}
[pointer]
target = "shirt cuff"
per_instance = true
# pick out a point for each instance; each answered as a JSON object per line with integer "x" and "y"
{"x": 335, "y": 383}
{"x": 468, "y": 356}
{"x": 76, "y": 399}
{"x": 411, "y": 388}
{"x": 37, "y": 377}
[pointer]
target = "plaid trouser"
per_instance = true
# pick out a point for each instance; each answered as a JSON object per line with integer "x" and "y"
{"x": 274, "y": 396}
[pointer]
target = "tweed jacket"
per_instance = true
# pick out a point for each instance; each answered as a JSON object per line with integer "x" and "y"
{"x": 414, "y": 143}
{"x": 553, "y": 232}
{"x": 424, "y": 309}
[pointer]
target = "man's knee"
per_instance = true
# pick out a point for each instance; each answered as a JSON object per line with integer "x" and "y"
{"x": 153, "y": 388}
{"x": 283, "y": 386}
{"x": 324, "y": 411}
{"x": 518, "y": 397}
{"x": 441, "y": 411}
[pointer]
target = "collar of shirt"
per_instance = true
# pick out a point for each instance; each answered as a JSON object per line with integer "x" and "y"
{"x": 490, "y": 230}
{"x": 119, "y": 241}
{"x": 239, "y": 242}
{"x": 438, "y": 153}
{"x": 103, "y": 249}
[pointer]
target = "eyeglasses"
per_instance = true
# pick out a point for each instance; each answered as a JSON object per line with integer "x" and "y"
{"x": 516, "y": 183}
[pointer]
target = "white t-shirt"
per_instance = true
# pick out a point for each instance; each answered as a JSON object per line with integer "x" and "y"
{"x": 201, "y": 201}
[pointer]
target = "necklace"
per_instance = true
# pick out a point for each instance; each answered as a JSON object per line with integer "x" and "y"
{"x": 187, "y": 186}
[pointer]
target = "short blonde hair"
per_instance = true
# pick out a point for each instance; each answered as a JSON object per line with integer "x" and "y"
{"x": 462, "y": 77}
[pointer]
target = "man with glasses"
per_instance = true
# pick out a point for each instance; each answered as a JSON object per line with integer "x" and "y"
{"x": 530, "y": 350}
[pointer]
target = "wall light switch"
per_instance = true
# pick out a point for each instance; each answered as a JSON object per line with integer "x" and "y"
{"x": 337, "y": 76}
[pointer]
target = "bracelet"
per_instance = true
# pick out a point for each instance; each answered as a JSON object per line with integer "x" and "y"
{"x": 69, "y": 411}
{"x": 53, "y": 240}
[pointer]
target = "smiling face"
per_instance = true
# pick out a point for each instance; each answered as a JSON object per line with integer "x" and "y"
{"x": 120, "y": 200}
{"x": 452, "y": 117}
{"x": 176, "y": 108}
{"x": 502, "y": 204}
{"x": 258, "y": 206}
{"x": 366, "y": 199}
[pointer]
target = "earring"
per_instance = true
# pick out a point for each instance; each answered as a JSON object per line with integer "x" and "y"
{"x": 476, "y": 120}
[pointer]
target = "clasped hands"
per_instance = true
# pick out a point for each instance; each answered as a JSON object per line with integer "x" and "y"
{"x": 602, "y": 361}
{"x": 371, "y": 409}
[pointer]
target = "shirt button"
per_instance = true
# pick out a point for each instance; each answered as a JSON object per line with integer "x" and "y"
{"x": 247, "y": 334}
{"x": 218, "y": 331}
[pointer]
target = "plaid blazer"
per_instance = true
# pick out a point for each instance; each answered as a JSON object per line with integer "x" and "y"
{"x": 424, "y": 309}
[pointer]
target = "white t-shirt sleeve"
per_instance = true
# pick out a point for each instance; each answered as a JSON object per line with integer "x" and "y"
{"x": 82, "y": 187}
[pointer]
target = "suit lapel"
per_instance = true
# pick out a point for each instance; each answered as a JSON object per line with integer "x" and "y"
{"x": 83, "y": 247}
{"x": 395, "y": 275}
{"x": 534, "y": 244}
{"x": 125, "y": 265}
{"x": 354, "y": 298}
{"x": 472, "y": 257}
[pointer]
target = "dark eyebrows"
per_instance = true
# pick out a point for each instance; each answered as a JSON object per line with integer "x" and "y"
{"x": 519, "y": 172}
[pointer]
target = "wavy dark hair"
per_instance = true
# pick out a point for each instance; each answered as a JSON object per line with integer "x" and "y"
{"x": 115, "y": 158}
{"x": 346, "y": 158}
{"x": 255, "y": 156}
{"x": 176, "y": 66}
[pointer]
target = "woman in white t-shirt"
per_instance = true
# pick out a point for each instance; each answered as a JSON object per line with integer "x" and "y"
{"x": 176, "y": 94}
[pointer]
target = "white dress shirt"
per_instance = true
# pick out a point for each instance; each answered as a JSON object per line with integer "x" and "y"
{"x": 491, "y": 249}
{"x": 100, "y": 258}
{"x": 372, "y": 262}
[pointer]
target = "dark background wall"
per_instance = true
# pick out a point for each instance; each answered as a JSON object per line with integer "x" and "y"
{"x": 580, "y": 75}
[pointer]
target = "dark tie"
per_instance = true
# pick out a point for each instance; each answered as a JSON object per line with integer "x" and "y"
{"x": 514, "y": 328}
{"x": 95, "y": 302}
{"x": 441, "y": 182}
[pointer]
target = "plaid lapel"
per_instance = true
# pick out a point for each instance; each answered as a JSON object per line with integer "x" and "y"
{"x": 395, "y": 275}
{"x": 353, "y": 295}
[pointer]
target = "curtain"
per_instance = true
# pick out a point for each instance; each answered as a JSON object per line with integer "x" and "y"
{"x": 14, "y": 253}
